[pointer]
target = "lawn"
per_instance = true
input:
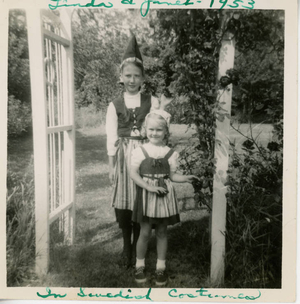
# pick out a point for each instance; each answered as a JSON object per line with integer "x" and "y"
{"x": 93, "y": 261}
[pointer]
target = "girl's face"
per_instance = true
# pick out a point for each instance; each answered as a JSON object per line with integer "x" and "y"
{"x": 155, "y": 131}
{"x": 132, "y": 77}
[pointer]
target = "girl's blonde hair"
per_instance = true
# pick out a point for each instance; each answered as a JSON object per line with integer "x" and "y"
{"x": 162, "y": 122}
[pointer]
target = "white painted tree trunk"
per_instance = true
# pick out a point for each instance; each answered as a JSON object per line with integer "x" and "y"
{"x": 218, "y": 224}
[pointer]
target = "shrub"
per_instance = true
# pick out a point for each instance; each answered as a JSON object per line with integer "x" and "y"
{"x": 254, "y": 210}
{"x": 254, "y": 217}
{"x": 177, "y": 108}
{"x": 20, "y": 232}
{"x": 18, "y": 118}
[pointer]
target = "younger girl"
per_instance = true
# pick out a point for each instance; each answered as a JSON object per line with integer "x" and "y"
{"x": 153, "y": 167}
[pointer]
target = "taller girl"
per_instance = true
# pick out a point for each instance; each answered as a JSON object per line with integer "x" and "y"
{"x": 125, "y": 116}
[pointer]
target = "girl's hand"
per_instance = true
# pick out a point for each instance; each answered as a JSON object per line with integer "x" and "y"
{"x": 111, "y": 175}
{"x": 157, "y": 190}
{"x": 191, "y": 178}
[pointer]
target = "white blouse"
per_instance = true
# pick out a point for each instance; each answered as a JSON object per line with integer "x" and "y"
{"x": 131, "y": 101}
{"x": 138, "y": 156}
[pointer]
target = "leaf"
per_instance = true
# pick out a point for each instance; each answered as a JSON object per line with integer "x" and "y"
{"x": 220, "y": 117}
{"x": 259, "y": 106}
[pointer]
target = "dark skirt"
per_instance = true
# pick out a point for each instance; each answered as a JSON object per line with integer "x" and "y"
{"x": 138, "y": 214}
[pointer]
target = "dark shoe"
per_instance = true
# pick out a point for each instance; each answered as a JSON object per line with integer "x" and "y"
{"x": 139, "y": 275}
{"x": 161, "y": 277}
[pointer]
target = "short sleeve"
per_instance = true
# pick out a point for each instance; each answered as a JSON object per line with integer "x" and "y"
{"x": 173, "y": 161}
{"x": 137, "y": 156}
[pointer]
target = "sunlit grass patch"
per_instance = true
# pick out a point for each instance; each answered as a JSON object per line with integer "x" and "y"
{"x": 89, "y": 118}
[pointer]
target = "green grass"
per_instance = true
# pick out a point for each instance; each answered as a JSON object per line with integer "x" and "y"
{"x": 20, "y": 227}
{"x": 93, "y": 261}
{"x": 89, "y": 117}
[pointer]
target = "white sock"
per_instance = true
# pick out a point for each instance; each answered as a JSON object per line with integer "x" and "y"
{"x": 160, "y": 264}
{"x": 140, "y": 263}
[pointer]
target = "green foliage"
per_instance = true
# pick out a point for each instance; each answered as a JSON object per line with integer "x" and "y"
{"x": 100, "y": 39}
{"x": 19, "y": 106}
{"x": 97, "y": 52}
{"x": 20, "y": 228}
{"x": 18, "y": 57}
{"x": 18, "y": 117}
{"x": 189, "y": 42}
{"x": 187, "y": 59}
{"x": 259, "y": 64}
{"x": 177, "y": 108}
{"x": 254, "y": 217}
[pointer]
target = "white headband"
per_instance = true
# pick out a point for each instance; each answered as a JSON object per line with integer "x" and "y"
{"x": 165, "y": 115}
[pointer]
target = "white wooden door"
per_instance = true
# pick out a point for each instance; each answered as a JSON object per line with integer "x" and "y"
{"x": 51, "y": 73}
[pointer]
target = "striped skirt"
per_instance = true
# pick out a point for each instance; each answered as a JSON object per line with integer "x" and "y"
{"x": 149, "y": 207}
{"x": 124, "y": 189}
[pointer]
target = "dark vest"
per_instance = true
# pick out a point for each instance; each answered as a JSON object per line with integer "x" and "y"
{"x": 155, "y": 165}
{"x": 129, "y": 118}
